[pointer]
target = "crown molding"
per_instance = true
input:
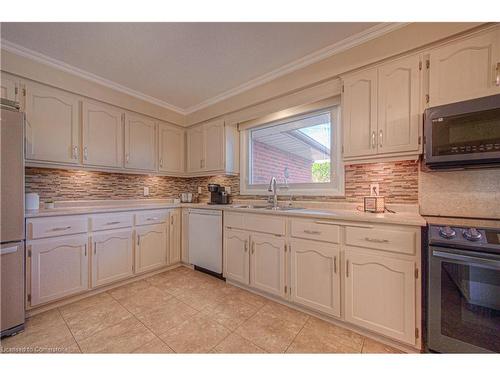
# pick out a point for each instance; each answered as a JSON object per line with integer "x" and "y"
{"x": 57, "y": 64}
{"x": 352, "y": 41}
{"x": 328, "y": 51}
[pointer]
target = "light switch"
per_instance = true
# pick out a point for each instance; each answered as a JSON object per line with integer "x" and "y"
{"x": 146, "y": 191}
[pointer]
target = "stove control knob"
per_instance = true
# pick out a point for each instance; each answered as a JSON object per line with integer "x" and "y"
{"x": 472, "y": 234}
{"x": 447, "y": 232}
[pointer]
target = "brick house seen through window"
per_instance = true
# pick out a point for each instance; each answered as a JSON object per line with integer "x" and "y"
{"x": 301, "y": 152}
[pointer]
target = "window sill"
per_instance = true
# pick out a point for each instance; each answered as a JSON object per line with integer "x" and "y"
{"x": 332, "y": 192}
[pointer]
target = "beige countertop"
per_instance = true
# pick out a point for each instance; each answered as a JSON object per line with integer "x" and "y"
{"x": 405, "y": 214}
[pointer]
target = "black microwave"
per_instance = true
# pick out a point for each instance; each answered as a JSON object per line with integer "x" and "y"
{"x": 463, "y": 134}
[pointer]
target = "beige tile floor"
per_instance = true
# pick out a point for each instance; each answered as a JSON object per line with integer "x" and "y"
{"x": 183, "y": 311}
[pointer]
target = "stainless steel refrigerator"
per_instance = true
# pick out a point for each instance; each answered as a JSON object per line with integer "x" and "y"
{"x": 12, "y": 218}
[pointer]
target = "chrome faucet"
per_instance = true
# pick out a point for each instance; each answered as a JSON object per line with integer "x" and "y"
{"x": 273, "y": 188}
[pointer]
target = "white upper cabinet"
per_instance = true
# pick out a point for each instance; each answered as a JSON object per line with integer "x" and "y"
{"x": 212, "y": 147}
{"x": 9, "y": 87}
{"x": 171, "y": 148}
{"x": 399, "y": 109}
{"x": 52, "y": 125}
{"x": 382, "y": 111}
{"x": 359, "y": 103}
{"x": 380, "y": 294}
{"x": 102, "y": 135}
{"x": 196, "y": 148}
{"x": 140, "y": 142}
{"x": 465, "y": 69}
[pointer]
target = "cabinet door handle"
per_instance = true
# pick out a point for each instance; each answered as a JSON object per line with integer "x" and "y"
{"x": 347, "y": 268}
{"x": 85, "y": 153}
{"x": 380, "y": 138}
{"x": 308, "y": 231}
{"x": 113, "y": 223}
{"x": 152, "y": 219}
{"x": 246, "y": 246}
{"x": 253, "y": 247}
{"x": 138, "y": 240}
{"x": 127, "y": 158}
{"x": 161, "y": 163}
{"x": 60, "y": 228}
{"x": 75, "y": 152}
{"x": 374, "y": 144}
{"x": 335, "y": 264}
{"x": 497, "y": 76}
{"x": 95, "y": 247}
{"x": 376, "y": 240}
{"x": 85, "y": 249}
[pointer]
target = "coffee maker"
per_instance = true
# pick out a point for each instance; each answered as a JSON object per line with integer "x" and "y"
{"x": 218, "y": 194}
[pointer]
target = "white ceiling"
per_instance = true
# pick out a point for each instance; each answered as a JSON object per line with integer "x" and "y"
{"x": 184, "y": 65}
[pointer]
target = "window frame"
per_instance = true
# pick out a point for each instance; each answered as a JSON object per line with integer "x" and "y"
{"x": 334, "y": 188}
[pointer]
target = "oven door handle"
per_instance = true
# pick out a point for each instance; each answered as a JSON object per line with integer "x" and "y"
{"x": 466, "y": 258}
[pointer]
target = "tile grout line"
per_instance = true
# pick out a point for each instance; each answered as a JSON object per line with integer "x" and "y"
{"x": 69, "y": 329}
{"x": 154, "y": 334}
{"x": 300, "y": 330}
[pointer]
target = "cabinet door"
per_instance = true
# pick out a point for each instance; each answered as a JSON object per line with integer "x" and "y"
{"x": 140, "y": 142}
{"x": 315, "y": 275}
{"x": 399, "y": 106}
{"x": 214, "y": 146}
{"x": 102, "y": 135}
{"x": 152, "y": 247}
{"x": 171, "y": 144}
{"x": 174, "y": 248}
{"x": 465, "y": 69}
{"x": 112, "y": 256}
{"x": 9, "y": 87}
{"x": 360, "y": 114}
{"x": 267, "y": 264}
{"x": 236, "y": 256}
{"x": 58, "y": 267}
{"x": 52, "y": 125}
{"x": 380, "y": 294}
{"x": 195, "y": 144}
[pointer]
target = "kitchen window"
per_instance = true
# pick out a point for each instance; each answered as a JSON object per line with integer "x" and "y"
{"x": 301, "y": 151}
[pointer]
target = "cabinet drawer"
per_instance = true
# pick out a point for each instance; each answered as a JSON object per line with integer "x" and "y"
{"x": 255, "y": 223}
{"x": 151, "y": 217}
{"x": 56, "y": 226}
{"x": 316, "y": 230}
{"x": 395, "y": 239}
{"x": 112, "y": 221}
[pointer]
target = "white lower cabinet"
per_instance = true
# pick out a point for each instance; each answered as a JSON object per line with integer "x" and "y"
{"x": 315, "y": 275}
{"x": 236, "y": 256}
{"x": 380, "y": 294}
{"x": 267, "y": 264}
{"x": 58, "y": 268}
{"x": 151, "y": 247}
{"x": 174, "y": 247}
{"x": 112, "y": 256}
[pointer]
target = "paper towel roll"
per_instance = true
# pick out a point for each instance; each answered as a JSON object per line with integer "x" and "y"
{"x": 32, "y": 201}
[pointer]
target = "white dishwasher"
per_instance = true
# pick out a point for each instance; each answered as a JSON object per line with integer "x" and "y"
{"x": 205, "y": 240}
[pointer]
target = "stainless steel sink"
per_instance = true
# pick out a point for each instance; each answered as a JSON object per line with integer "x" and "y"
{"x": 267, "y": 207}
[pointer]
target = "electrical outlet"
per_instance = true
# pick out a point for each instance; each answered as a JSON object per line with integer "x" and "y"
{"x": 374, "y": 190}
{"x": 146, "y": 191}
{"x": 228, "y": 189}
{"x": 199, "y": 189}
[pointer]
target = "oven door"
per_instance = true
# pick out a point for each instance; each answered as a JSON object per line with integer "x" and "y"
{"x": 464, "y": 301}
{"x": 464, "y": 133}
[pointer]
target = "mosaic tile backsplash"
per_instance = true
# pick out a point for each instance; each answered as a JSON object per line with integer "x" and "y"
{"x": 398, "y": 183}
